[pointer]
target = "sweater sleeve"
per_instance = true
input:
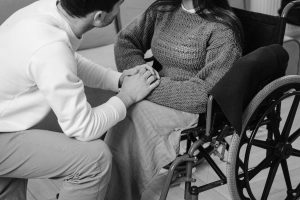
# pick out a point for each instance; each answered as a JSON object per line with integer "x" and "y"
{"x": 191, "y": 95}
{"x": 54, "y": 70}
{"x": 134, "y": 41}
{"x": 97, "y": 76}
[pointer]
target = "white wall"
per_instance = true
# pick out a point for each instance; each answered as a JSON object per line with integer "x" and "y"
{"x": 263, "y": 6}
{"x": 237, "y": 3}
{"x": 132, "y": 8}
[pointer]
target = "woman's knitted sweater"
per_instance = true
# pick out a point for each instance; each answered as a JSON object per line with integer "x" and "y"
{"x": 194, "y": 54}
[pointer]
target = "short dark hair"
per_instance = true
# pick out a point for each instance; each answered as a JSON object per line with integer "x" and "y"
{"x": 81, "y": 8}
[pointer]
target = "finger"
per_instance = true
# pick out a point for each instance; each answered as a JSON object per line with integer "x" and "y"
{"x": 151, "y": 79}
{"x": 132, "y": 71}
{"x": 140, "y": 66}
{"x": 154, "y": 85}
{"x": 150, "y": 69}
{"x": 142, "y": 70}
{"x": 157, "y": 74}
{"x": 147, "y": 74}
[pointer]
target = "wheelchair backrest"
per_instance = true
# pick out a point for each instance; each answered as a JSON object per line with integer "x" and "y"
{"x": 263, "y": 61}
{"x": 246, "y": 78}
{"x": 260, "y": 29}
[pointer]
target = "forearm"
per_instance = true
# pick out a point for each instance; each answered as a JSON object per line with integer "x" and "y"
{"x": 134, "y": 41}
{"x": 54, "y": 70}
{"x": 97, "y": 76}
{"x": 98, "y": 120}
{"x": 181, "y": 95}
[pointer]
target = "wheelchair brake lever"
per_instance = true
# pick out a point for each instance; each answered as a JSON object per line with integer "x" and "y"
{"x": 216, "y": 144}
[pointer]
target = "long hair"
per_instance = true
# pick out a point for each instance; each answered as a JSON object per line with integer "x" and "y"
{"x": 212, "y": 10}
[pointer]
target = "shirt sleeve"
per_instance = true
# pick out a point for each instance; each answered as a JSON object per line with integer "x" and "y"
{"x": 53, "y": 68}
{"x": 97, "y": 76}
{"x": 133, "y": 41}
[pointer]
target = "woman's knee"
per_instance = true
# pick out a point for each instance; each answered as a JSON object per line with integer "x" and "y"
{"x": 139, "y": 109}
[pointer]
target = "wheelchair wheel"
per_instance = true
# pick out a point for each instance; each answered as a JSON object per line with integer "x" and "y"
{"x": 264, "y": 159}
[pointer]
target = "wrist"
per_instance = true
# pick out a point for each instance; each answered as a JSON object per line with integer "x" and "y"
{"x": 125, "y": 99}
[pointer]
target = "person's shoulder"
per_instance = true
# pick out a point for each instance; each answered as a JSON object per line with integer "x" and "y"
{"x": 43, "y": 28}
{"x": 218, "y": 28}
{"x": 218, "y": 25}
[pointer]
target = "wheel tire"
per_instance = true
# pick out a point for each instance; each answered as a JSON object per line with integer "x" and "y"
{"x": 235, "y": 145}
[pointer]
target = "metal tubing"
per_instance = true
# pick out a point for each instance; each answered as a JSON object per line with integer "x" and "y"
{"x": 189, "y": 169}
{"x": 209, "y": 115}
{"x": 211, "y": 185}
{"x": 213, "y": 165}
{"x": 177, "y": 161}
{"x": 195, "y": 147}
{"x": 288, "y": 7}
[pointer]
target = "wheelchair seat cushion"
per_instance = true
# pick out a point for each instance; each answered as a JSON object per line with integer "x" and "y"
{"x": 247, "y": 76}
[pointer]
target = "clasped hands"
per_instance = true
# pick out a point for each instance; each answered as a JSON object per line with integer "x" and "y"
{"x": 136, "y": 83}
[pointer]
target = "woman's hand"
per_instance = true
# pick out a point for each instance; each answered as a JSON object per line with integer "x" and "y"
{"x": 138, "y": 69}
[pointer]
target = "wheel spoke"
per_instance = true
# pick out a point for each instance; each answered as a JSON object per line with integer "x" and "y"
{"x": 270, "y": 180}
{"x": 262, "y": 144}
{"x": 295, "y": 152}
{"x": 240, "y": 163}
{"x": 276, "y": 132}
{"x": 286, "y": 174}
{"x": 275, "y": 125}
{"x": 294, "y": 136}
{"x": 261, "y": 166}
{"x": 290, "y": 118}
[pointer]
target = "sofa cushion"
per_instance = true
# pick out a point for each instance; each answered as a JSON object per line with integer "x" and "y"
{"x": 103, "y": 55}
{"x": 99, "y": 37}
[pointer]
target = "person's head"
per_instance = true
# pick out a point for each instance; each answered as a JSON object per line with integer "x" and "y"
{"x": 103, "y": 11}
{"x": 213, "y": 10}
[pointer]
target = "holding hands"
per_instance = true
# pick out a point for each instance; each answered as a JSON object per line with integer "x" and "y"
{"x": 137, "y": 83}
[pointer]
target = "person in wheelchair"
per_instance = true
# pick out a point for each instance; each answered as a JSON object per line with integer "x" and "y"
{"x": 194, "y": 43}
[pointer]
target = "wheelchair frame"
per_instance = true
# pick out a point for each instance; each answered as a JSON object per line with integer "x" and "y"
{"x": 198, "y": 136}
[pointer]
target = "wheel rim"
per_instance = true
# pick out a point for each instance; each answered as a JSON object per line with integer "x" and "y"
{"x": 275, "y": 147}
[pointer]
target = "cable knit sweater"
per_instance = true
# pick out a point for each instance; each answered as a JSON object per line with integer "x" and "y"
{"x": 194, "y": 53}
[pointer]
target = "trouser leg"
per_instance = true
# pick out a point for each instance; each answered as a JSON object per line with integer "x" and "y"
{"x": 13, "y": 189}
{"x": 85, "y": 167}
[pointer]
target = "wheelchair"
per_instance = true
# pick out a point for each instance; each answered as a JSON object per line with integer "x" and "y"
{"x": 251, "y": 120}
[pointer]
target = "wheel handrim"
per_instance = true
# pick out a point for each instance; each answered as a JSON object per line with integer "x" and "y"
{"x": 278, "y": 147}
